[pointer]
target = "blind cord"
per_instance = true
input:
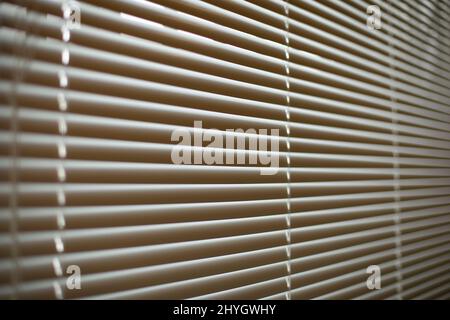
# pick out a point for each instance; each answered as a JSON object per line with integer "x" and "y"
{"x": 13, "y": 226}
{"x": 62, "y": 149}
{"x": 288, "y": 150}
{"x": 396, "y": 171}
{"x": 24, "y": 57}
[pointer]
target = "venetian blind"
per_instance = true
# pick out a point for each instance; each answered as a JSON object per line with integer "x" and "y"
{"x": 364, "y": 149}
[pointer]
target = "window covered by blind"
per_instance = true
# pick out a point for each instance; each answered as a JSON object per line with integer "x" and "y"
{"x": 352, "y": 99}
